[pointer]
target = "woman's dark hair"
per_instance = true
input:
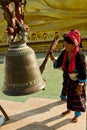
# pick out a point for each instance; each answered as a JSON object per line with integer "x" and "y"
{"x": 67, "y": 39}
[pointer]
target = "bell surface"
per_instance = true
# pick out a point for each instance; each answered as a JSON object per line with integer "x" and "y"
{"x": 22, "y": 75}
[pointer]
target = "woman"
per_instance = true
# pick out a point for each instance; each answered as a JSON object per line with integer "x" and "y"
{"x": 74, "y": 73}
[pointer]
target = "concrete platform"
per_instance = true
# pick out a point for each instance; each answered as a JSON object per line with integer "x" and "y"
{"x": 39, "y": 114}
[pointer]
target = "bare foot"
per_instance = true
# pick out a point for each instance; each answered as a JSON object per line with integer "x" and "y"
{"x": 75, "y": 119}
{"x": 66, "y": 112}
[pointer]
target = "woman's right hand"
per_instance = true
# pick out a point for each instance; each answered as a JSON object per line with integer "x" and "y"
{"x": 51, "y": 55}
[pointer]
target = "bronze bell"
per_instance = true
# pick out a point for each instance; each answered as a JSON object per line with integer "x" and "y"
{"x": 22, "y": 75}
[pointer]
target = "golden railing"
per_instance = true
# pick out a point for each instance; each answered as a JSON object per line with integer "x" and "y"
{"x": 43, "y": 46}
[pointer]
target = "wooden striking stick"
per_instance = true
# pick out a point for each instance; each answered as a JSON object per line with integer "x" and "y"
{"x": 52, "y": 48}
{"x": 4, "y": 113}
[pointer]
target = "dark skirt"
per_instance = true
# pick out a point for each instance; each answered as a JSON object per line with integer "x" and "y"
{"x": 75, "y": 102}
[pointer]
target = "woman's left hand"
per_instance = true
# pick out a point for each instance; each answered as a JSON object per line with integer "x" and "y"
{"x": 79, "y": 89}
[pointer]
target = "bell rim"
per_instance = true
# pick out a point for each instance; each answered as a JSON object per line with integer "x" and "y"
{"x": 24, "y": 91}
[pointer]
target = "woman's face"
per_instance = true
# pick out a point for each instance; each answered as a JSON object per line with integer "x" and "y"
{"x": 69, "y": 47}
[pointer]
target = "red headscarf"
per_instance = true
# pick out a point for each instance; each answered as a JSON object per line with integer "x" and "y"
{"x": 75, "y": 38}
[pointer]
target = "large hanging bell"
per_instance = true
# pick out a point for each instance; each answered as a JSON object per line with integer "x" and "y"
{"x": 22, "y": 75}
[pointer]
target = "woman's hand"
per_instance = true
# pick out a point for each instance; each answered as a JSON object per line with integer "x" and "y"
{"x": 79, "y": 89}
{"x": 51, "y": 56}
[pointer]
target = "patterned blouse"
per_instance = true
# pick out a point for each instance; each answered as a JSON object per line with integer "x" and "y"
{"x": 80, "y": 72}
